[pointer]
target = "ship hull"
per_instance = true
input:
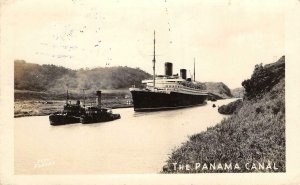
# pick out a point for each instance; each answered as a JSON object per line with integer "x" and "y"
{"x": 151, "y": 101}
{"x": 99, "y": 118}
{"x": 59, "y": 119}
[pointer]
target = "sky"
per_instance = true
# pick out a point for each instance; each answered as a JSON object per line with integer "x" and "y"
{"x": 226, "y": 37}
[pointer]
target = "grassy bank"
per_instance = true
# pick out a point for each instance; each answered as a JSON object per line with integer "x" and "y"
{"x": 254, "y": 135}
{"x": 32, "y": 103}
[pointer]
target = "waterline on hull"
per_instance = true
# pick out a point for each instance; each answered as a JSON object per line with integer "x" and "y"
{"x": 166, "y": 108}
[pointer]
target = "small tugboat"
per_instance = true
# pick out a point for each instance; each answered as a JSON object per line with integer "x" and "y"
{"x": 70, "y": 114}
{"x": 96, "y": 114}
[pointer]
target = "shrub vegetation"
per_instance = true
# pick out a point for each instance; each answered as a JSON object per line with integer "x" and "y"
{"x": 231, "y": 108}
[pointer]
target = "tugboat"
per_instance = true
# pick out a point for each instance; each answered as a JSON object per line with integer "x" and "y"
{"x": 70, "y": 114}
{"x": 96, "y": 114}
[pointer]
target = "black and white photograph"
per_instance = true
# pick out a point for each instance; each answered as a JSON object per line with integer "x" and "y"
{"x": 139, "y": 88}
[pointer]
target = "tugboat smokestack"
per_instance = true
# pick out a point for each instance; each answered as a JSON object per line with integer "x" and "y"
{"x": 168, "y": 69}
{"x": 98, "y": 93}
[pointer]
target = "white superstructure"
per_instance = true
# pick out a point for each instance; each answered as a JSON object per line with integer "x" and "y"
{"x": 168, "y": 84}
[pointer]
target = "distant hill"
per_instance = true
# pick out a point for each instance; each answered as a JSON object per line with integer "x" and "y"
{"x": 238, "y": 92}
{"x": 218, "y": 88}
{"x": 35, "y": 77}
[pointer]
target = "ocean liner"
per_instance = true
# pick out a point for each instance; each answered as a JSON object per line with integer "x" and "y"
{"x": 168, "y": 91}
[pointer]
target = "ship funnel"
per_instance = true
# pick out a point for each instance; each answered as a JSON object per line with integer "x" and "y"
{"x": 168, "y": 69}
{"x": 183, "y": 73}
{"x": 98, "y": 93}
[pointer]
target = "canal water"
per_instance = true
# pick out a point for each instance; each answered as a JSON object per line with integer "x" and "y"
{"x": 136, "y": 143}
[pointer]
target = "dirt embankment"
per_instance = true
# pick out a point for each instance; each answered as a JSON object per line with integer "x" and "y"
{"x": 31, "y": 103}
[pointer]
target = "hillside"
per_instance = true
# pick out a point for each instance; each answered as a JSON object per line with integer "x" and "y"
{"x": 264, "y": 78}
{"x": 238, "y": 92}
{"x": 254, "y": 134}
{"x": 218, "y": 88}
{"x": 53, "y": 78}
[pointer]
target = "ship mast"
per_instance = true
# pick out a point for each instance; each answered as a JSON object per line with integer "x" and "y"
{"x": 67, "y": 98}
{"x": 83, "y": 90}
{"x": 154, "y": 62}
{"x": 194, "y": 71}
